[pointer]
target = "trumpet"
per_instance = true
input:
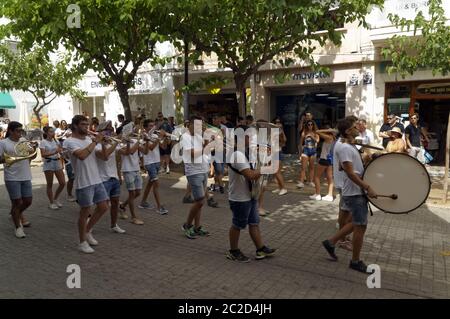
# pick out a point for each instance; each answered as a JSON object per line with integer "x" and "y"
{"x": 107, "y": 138}
{"x": 24, "y": 150}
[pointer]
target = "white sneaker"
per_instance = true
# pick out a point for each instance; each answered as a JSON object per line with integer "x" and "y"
{"x": 300, "y": 185}
{"x": 20, "y": 233}
{"x": 312, "y": 184}
{"x": 276, "y": 191}
{"x": 328, "y": 198}
{"x": 58, "y": 203}
{"x": 283, "y": 192}
{"x": 117, "y": 229}
{"x": 315, "y": 197}
{"x": 71, "y": 199}
{"x": 91, "y": 240}
{"x": 85, "y": 248}
{"x": 53, "y": 206}
{"x": 167, "y": 170}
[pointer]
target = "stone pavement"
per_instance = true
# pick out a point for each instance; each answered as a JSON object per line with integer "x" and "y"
{"x": 156, "y": 261}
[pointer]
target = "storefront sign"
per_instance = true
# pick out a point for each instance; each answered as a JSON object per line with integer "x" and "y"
{"x": 354, "y": 80}
{"x": 367, "y": 78}
{"x": 434, "y": 88}
{"x": 309, "y": 76}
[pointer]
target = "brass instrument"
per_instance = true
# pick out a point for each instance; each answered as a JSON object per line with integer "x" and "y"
{"x": 107, "y": 138}
{"x": 24, "y": 150}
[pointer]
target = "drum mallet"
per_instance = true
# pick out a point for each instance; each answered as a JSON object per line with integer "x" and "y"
{"x": 393, "y": 196}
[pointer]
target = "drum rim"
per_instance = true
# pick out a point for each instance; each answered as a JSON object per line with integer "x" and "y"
{"x": 429, "y": 183}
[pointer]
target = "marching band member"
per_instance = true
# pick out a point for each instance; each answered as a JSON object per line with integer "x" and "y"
{"x": 107, "y": 167}
{"x": 88, "y": 183}
{"x": 353, "y": 188}
{"x": 196, "y": 168}
{"x": 132, "y": 175}
{"x": 51, "y": 156}
{"x": 243, "y": 206}
{"x": 152, "y": 165}
{"x": 17, "y": 178}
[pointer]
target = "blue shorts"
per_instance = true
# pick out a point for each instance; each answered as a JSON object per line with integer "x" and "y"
{"x": 133, "y": 180}
{"x": 244, "y": 213}
{"x": 19, "y": 189}
{"x": 69, "y": 171}
{"x": 51, "y": 165}
{"x": 198, "y": 184}
{"x": 153, "y": 170}
{"x": 88, "y": 196}
{"x": 309, "y": 151}
{"x": 112, "y": 187}
{"x": 357, "y": 205}
{"x": 219, "y": 168}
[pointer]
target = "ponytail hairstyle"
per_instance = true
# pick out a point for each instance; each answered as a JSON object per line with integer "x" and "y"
{"x": 11, "y": 127}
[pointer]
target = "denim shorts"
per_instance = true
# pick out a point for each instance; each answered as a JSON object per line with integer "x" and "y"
{"x": 309, "y": 151}
{"x": 244, "y": 213}
{"x": 19, "y": 189}
{"x": 51, "y": 165}
{"x": 153, "y": 170}
{"x": 219, "y": 168}
{"x": 358, "y": 206}
{"x": 88, "y": 196}
{"x": 112, "y": 187}
{"x": 133, "y": 180}
{"x": 198, "y": 184}
{"x": 69, "y": 171}
{"x": 342, "y": 205}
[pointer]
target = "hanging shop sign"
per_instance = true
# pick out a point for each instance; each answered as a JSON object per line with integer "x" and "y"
{"x": 367, "y": 78}
{"x": 434, "y": 88}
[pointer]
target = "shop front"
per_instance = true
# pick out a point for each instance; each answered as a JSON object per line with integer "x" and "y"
{"x": 431, "y": 100}
{"x": 290, "y": 94}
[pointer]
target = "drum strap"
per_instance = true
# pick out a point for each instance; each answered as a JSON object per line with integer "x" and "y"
{"x": 249, "y": 183}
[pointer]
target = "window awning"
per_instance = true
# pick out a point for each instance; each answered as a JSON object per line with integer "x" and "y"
{"x": 6, "y": 101}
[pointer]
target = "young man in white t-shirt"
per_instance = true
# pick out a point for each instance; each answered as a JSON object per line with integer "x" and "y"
{"x": 131, "y": 171}
{"x": 17, "y": 177}
{"x": 243, "y": 206}
{"x": 353, "y": 193}
{"x": 152, "y": 160}
{"x": 107, "y": 167}
{"x": 196, "y": 168}
{"x": 88, "y": 185}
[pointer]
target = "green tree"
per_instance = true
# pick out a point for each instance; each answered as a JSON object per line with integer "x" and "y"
{"x": 246, "y": 34}
{"x": 112, "y": 37}
{"x": 34, "y": 72}
{"x": 427, "y": 47}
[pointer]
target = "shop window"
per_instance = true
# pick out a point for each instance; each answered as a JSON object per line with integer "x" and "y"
{"x": 398, "y": 99}
{"x": 330, "y": 20}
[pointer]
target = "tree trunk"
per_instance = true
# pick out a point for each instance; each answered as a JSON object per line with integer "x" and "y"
{"x": 124, "y": 98}
{"x": 241, "y": 95}
{"x": 186, "y": 81}
{"x": 36, "y": 111}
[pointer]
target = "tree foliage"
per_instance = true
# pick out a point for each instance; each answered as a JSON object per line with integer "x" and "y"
{"x": 429, "y": 47}
{"x": 33, "y": 71}
{"x": 246, "y": 34}
{"x": 115, "y": 37}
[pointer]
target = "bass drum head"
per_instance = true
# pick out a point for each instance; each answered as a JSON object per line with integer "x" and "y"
{"x": 400, "y": 174}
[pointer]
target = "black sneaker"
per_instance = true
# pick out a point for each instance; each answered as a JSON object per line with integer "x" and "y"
{"x": 212, "y": 203}
{"x": 330, "y": 249}
{"x": 221, "y": 189}
{"x": 212, "y": 188}
{"x": 188, "y": 200}
{"x": 264, "y": 252}
{"x": 237, "y": 255}
{"x": 358, "y": 266}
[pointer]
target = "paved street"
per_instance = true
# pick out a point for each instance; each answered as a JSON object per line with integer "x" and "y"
{"x": 156, "y": 261}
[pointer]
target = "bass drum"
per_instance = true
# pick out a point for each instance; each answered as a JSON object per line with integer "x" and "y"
{"x": 399, "y": 174}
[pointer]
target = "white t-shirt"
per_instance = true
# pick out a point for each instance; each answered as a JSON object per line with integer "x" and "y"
{"x": 238, "y": 188}
{"x": 130, "y": 163}
{"x": 152, "y": 156}
{"x": 50, "y": 147}
{"x": 348, "y": 153}
{"x": 107, "y": 169}
{"x": 337, "y": 174}
{"x": 200, "y": 164}
{"x": 86, "y": 171}
{"x": 19, "y": 171}
{"x": 366, "y": 137}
